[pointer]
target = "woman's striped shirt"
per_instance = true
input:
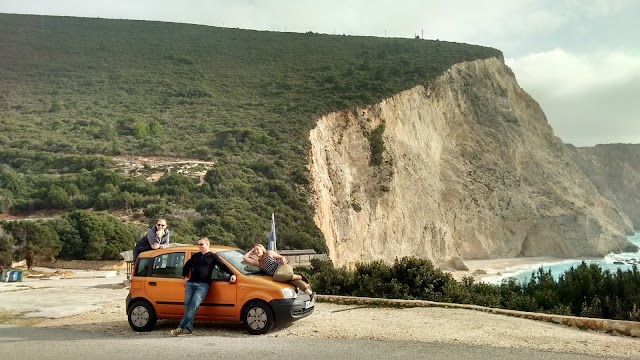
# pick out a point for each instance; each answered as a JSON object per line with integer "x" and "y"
{"x": 269, "y": 265}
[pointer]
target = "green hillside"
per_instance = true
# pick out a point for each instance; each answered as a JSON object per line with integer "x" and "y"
{"x": 75, "y": 88}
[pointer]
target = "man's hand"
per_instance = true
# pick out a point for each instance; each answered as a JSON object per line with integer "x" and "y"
{"x": 184, "y": 281}
{"x": 155, "y": 246}
{"x": 232, "y": 279}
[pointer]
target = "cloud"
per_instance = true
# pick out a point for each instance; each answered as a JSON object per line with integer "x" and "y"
{"x": 580, "y": 59}
{"x": 589, "y": 98}
{"x": 601, "y": 116}
{"x": 563, "y": 74}
{"x": 597, "y": 8}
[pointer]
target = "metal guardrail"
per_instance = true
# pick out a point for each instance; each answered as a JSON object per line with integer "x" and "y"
{"x": 128, "y": 258}
{"x": 303, "y": 259}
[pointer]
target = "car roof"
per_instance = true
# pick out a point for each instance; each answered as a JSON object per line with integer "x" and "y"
{"x": 182, "y": 248}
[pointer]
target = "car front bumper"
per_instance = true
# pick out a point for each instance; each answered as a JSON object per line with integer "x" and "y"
{"x": 288, "y": 310}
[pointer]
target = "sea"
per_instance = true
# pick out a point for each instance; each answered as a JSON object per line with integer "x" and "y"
{"x": 611, "y": 262}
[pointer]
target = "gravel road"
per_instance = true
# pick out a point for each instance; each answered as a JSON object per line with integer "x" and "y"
{"x": 334, "y": 321}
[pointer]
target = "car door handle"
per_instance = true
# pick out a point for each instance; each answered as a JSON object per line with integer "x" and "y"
{"x": 152, "y": 283}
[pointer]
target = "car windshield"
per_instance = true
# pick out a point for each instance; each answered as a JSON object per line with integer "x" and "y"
{"x": 235, "y": 258}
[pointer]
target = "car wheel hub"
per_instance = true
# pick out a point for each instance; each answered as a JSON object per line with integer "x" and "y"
{"x": 257, "y": 318}
{"x": 139, "y": 316}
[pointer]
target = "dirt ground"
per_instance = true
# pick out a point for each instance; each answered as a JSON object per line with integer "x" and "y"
{"x": 153, "y": 167}
{"x": 458, "y": 326}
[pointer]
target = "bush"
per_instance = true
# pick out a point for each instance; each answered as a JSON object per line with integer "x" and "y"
{"x": 596, "y": 294}
{"x": 326, "y": 279}
{"x": 376, "y": 143}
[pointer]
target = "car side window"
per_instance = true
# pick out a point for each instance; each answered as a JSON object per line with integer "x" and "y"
{"x": 143, "y": 267}
{"x": 219, "y": 274}
{"x": 168, "y": 265}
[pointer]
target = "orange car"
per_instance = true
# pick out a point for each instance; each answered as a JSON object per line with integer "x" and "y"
{"x": 255, "y": 299}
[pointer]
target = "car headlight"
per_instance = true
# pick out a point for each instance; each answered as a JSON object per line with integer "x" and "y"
{"x": 289, "y": 293}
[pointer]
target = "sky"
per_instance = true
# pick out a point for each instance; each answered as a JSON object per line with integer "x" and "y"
{"x": 579, "y": 59}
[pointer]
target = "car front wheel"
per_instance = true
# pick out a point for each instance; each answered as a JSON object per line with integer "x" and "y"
{"x": 142, "y": 316}
{"x": 258, "y": 318}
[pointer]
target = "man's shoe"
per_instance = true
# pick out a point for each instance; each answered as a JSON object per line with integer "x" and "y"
{"x": 180, "y": 332}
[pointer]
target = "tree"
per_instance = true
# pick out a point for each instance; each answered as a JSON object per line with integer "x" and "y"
{"x": 155, "y": 128}
{"x": 109, "y": 132}
{"x": 7, "y": 242}
{"x": 35, "y": 241}
{"x": 91, "y": 231}
{"x": 12, "y": 181}
{"x": 95, "y": 236}
{"x": 119, "y": 237}
{"x": 6, "y": 200}
{"x": 141, "y": 130}
{"x": 45, "y": 244}
{"x": 69, "y": 239}
{"x": 58, "y": 198}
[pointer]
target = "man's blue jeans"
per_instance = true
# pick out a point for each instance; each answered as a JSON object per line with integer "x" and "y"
{"x": 194, "y": 293}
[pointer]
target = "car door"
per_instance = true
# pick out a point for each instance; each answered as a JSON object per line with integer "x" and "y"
{"x": 165, "y": 284}
{"x": 220, "y": 302}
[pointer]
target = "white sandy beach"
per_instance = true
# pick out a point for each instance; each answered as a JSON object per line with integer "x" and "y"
{"x": 494, "y": 270}
{"x": 491, "y": 270}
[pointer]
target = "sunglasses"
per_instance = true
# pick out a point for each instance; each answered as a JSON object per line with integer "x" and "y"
{"x": 161, "y": 225}
{"x": 202, "y": 244}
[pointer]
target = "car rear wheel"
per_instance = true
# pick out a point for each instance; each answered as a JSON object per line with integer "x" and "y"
{"x": 142, "y": 316}
{"x": 258, "y": 318}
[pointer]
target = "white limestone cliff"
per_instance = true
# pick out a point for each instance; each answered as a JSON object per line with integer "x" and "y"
{"x": 470, "y": 169}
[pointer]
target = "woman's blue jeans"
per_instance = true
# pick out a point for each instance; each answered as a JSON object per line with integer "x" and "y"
{"x": 194, "y": 293}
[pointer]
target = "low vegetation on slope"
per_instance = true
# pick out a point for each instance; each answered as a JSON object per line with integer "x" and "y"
{"x": 76, "y": 91}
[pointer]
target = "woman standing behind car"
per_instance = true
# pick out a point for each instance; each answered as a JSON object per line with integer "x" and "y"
{"x": 156, "y": 238}
{"x": 276, "y": 265}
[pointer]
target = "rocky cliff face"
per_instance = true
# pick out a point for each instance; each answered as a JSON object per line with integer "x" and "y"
{"x": 465, "y": 167}
{"x": 615, "y": 171}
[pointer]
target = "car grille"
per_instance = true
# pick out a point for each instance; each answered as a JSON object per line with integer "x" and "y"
{"x": 296, "y": 313}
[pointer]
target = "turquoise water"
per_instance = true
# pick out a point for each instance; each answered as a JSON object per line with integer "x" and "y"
{"x": 610, "y": 262}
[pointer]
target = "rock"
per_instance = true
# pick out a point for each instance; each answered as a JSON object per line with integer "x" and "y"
{"x": 19, "y": 264}
{"x": 458, "y": 264}
{"x": 614, "y": 169}
{"x": 470, "y": 168}
{"x": 455, "y": 263}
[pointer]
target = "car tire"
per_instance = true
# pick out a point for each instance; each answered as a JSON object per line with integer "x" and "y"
{"x": 142, "y": 316}
{"x": 258, "y": 318}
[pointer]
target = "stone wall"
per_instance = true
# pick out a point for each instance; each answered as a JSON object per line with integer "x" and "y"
{"x": 84, "y": 265}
